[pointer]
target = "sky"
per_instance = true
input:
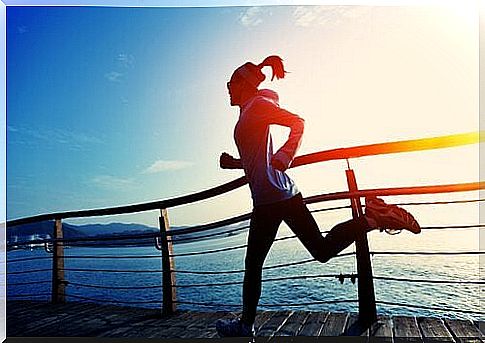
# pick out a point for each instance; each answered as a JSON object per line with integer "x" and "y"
{"x": 113, "y": 106}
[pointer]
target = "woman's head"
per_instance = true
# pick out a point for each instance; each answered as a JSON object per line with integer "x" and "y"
{"x": 245, "y": 80}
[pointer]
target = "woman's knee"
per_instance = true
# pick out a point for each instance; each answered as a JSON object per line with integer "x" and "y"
{"x": 321, "y": 256}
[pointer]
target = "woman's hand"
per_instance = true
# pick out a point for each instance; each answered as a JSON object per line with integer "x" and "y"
{"x": 277, "y": 164}
{"x": 226, "y": 161}
{"x": 281, "y": 161}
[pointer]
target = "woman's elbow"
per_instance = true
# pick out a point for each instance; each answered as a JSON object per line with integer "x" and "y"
{"x": 301, "y": 124}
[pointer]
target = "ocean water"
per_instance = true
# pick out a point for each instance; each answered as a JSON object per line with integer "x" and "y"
{"x": 451, "y": 298}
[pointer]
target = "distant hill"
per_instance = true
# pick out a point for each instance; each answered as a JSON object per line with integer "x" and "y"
{"x": 113, "y": 228}
{"x": 44, "y": 230}
{"x": 41, "y": 229}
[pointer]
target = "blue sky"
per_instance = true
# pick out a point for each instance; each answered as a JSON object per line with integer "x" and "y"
{"x": 114, "y": 106}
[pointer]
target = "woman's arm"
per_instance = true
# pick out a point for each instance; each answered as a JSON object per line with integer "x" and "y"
{"x": 270, "y": 113}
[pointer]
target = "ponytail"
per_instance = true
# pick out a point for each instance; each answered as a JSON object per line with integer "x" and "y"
{"x": 276, "y": 64}
{"x": 254, "y": 76}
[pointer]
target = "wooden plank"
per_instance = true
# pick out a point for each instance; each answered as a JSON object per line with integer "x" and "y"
{"x": 293, "y": 325}
{"x": 334, "y": 325}
{"x": 365, "y": 289}
{"x": 143, "y": 328}
{"x": 262, "y": 317}
{"x": 204, "y": 328}
{"x": 178, "y": 329}
{"x": 65, "y": 319}
{"x": 434, "y": 330}
{"x": 137, "y": 327}
{"x": 92, "y": 322}
{"x": 58, "y": 286}
{"x": 464, "y": 331}
{"x": 406, "y": 329}
{"x": 18, "y": 307}
{"x": 22, "y": 317}
{"x": 274, "y": 323}
{"x": 480, "y": 325}
{"x": 132, "y": 331}
{"x": 46, "y": 319}
{"x": 354, "y": 327}
{"x": 211, "y": 331}
{"x": 27, "y": 312}
{"x": 381, "y": 329}
{"x": 159, "y": 320}
{"x": 169, "y": 295}
{"x": 313, "y": 324}
{"x": 89, "y": 319}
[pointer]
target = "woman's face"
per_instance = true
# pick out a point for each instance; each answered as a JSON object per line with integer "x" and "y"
{"x": 236, "y": 88}
{"x": 235, "y": 91}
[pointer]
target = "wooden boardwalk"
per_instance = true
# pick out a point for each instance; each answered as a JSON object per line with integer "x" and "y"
{"x": 76, "y": 319}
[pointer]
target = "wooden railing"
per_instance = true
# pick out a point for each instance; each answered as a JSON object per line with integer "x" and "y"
{"x": 367, "y": 304}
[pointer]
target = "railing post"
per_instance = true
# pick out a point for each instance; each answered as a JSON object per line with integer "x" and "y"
{"x": 367, "y": 301}
{"x": 58, "y": 283}
{"x": 168, "y": 264}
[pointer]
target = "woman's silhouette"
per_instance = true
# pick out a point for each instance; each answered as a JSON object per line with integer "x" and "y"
{"x": 276, "y": 197}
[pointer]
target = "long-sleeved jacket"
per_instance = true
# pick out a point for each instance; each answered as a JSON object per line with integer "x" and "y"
{"x": 253, "y": 140}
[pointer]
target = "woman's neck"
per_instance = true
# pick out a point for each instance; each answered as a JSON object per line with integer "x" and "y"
{"x": 246, "y": 95}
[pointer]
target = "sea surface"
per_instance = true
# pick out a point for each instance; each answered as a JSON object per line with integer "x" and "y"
{"x": 144, "y": 280}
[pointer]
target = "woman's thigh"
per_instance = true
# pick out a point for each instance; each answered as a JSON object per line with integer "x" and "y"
{"x": 264, "y": 224}
{"x": 301, "y": 222}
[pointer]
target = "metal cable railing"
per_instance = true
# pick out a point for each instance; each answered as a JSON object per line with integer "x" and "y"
{"x": 171, "y": 236}
{"x": 80, "y": 284}
{"x": 29, "y": 295}
{"x": 433, "y": 308}
{"x": 220, "y": 305}
{"x": 28, "y": 271}
{"x": 28, "y": 283}
{"x": 337, "y": 302}
{"x": 233, "y": 248}
{"x": 114, "y": 301}
{"x": 272, "y": 305}
{"x": 212, "y": 226}
{"x": 376, "y": 253}
{"x": 210, "y": 235}
{"x": 388, "y": 278}
{"x": 433, "y": 253}
{"x": 296, "y": 277}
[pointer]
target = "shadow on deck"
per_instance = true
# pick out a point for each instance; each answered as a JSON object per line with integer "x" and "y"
{"x": 76, "y": 319}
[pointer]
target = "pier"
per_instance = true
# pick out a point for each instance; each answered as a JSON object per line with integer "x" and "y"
{"x": 78, "y": 319}
{"x": 71, "y": 314}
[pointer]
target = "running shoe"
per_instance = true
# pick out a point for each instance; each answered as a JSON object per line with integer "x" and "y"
{"x": 234, "y": 328}
{"x": 390, "y": 218}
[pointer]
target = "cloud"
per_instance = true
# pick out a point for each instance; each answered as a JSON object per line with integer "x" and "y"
{"x": 113, "y": 76}
{"x": 113, "y": 183}
{"x": 164, "y": 165}
{"x": 252, "y": 16}
{"x": 53, "y": 136}
{"x": 308, "y": 16}
{"x": 126, "y": 60}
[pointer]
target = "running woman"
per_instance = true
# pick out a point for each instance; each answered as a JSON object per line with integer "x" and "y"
{"x": 275, "y": 195}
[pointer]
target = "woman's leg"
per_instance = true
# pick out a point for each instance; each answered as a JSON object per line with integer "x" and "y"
{"x": 302, "y": 223}
{"x": 265, "y": 221}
